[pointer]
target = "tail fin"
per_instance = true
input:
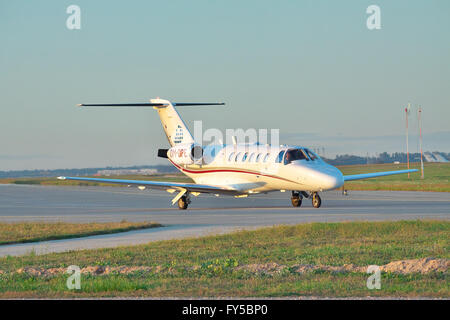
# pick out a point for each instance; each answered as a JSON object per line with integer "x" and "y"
{"x": 174, "y": 127}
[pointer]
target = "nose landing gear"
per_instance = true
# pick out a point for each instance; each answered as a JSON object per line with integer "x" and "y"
{"x": 316, "y": 201}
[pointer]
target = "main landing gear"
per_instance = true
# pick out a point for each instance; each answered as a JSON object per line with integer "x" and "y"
{"x": 297, "y": 197}
{"x": 183, "y": 202}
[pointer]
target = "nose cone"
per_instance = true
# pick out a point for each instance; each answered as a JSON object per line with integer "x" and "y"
{"x": 318, "y": 177}
{"x": 332, "y": 180}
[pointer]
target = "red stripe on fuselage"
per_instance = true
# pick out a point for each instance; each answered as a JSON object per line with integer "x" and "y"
{"x": 228, "y": 170}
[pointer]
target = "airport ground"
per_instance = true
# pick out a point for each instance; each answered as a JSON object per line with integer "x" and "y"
{"x": 197, "y": 252}
{"x": 202, "y": 257}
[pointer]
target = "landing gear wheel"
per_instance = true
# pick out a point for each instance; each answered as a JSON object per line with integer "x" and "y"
{"x": 316, "y": 201}
{"x": 296, "y": 201}
{"x": 182, "y": 203}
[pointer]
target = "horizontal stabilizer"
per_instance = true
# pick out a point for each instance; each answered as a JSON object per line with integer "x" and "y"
{"x": 148, "y": 104}
{"x": 183, "y": 104}
{"x": 175, "y": 129}
{"x": 121, "y": 104}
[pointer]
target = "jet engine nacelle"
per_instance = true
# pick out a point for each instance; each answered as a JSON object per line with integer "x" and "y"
{"x": 186, "y": 154}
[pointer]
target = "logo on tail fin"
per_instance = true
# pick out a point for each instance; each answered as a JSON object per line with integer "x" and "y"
{"x": 178, "y": 135}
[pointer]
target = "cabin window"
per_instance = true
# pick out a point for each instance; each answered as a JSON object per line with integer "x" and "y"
{"x": 231, "y": 156}
{"x": 237, "y": 157}
{"x": 258, "y": 157}
{"x": 280, "y": 157}
{"x": 266, "y": 157}
{"x": 252, "y": 157}
{"x": 245, "y": 157}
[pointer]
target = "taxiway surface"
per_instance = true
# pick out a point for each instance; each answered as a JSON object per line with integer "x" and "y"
{"x": 206, "y": 215}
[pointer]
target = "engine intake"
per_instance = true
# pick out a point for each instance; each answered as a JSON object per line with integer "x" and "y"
{"x": 197, "y": 153}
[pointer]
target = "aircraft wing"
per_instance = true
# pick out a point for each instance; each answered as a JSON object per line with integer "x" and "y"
{"x": 376, "y": 174}
{"x": 191, "y": 187}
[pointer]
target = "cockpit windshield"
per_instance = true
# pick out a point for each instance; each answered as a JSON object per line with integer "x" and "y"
{"x": 311, "y": 154}
{"x": 295, "y": 154}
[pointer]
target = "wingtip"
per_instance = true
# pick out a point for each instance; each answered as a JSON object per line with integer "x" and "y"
{"x": 79, "y": 105}
{"x": 61, "y": 178}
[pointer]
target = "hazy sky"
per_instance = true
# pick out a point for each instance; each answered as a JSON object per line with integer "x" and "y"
{"x": 310, "y": 68}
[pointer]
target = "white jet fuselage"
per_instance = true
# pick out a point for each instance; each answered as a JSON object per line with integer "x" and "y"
{"x": 255, "y": 168}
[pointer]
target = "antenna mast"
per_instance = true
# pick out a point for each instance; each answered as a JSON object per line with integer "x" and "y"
{"x": 407, "y": 148}
{"x": 420, "y": 141}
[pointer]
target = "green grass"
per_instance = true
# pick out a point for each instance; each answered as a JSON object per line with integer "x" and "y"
{"x": 40, "y": 231}
{"x": 360, "y": 243}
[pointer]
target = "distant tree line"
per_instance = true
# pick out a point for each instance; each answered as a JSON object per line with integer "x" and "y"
{"x": 384, "y": 157}
{"x": 77, "y": 172}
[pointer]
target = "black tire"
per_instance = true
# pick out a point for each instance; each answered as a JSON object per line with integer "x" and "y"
{"x": 182, "y": 203}
{"x": 296, "y": 201}
{"x": 316, "y": 201}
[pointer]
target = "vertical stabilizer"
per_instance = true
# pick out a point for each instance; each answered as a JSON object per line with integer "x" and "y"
{"x": 174, "y": 127}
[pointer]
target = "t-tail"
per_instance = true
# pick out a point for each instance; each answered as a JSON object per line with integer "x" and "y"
{"x": 174, "y": 127}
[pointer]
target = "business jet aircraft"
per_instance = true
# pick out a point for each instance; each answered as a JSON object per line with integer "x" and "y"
{"x": 238, "y": 169}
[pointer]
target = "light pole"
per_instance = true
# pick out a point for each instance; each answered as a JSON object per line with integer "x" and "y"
{"x": 407, "y": 148}
{"x": 419, "y": 115}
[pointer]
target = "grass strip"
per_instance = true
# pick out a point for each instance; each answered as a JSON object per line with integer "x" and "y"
{"x": 23, "y": 232}
{"x": 207, "y": 266}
